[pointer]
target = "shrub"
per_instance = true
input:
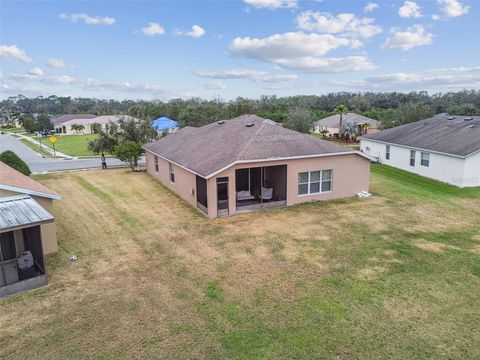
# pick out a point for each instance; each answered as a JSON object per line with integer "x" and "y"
{"x": 11, "y": 159}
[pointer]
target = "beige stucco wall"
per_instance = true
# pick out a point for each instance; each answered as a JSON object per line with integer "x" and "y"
{"x": 49, "y": 231}
{"x": 351, "y": 174}
{"x": 185, "y": 181}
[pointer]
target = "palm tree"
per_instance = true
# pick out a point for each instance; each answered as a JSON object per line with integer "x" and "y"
{"x": 351, "y": 130}
{"x": 341, "y": 109}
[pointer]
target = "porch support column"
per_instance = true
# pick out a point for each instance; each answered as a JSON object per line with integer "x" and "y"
{"x": 261, "y": 186}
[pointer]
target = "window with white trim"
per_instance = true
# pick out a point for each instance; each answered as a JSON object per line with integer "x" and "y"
{"x": 171, "y": 173}
{"x": 425, "y": 159}
{"x": 387, "y": 152}
{"x": 314, "y": 182}
{"x": 156, "y": 163}
{"x": 413, "y": 154}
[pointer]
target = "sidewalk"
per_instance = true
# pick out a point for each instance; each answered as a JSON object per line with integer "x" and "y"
{"x": 43, "y": 146}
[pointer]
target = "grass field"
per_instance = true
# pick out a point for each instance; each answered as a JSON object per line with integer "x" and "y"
{"x": 393, "y": 276}
{"x": 74, "y": 145}
{"x": 36, "y": 147}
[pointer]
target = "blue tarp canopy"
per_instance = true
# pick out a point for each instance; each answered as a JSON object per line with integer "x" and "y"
{"x": 164, "y": 124}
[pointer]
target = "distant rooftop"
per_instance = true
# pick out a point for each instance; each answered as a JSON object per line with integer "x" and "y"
{"x": 450, "y": 134}
{"x": 97, "y": 120}
{"x": 211, "y": 148}
{"x": 349, "y": 117}
{"x": 59, "y": 119}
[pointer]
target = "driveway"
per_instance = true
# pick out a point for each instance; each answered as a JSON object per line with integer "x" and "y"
{"x": 39, "y": 164}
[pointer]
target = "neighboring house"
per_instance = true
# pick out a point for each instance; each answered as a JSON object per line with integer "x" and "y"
{"x": 445, "y": 148}
{"x": 58, "y": 119}
{"x": 250, "y": 163}
{"x": 332, "y": 124}
{"x": 91, "y": 125}
{"x": 27, "y": 231}
{"x": 165, "y": 125}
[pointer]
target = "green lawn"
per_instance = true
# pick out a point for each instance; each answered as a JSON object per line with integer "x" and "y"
{"x": 36, "y": 147}
{"x": 394, "y": 276}
{"x": 12, "y": 130}
{"x": 74, "y": 145}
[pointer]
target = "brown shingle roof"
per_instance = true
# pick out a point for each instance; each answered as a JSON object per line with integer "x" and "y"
{"x": 444, "y": 133}
{"x": 213, "y": 147}
{"x": 11, "y": 179}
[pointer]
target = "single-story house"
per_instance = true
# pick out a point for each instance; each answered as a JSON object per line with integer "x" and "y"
{"x": 332, "y": 124}
{"x": 165, "y": 125}
{"x": 27, "y": 231}
{"x": 249, "y": 163}
{"x": 91, "y": 125}
{"x": 58, "y": 119}
{"x": 445, "y": 148}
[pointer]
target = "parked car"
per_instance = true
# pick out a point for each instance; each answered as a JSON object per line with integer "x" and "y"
{"x": 46, "y": 132}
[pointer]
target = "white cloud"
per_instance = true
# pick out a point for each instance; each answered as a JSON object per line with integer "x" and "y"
{"x": 370, "y": 7}
{"x": 413, "y": 36}
{"x": 153, "y": 29}
{"x": 278, "y": 78}
{"x": 435, "y": 17}
{"x": 231, "y": 74}
{"x": 438, "y": 79}
{"x": 87, "y": 19}
{"x": 300, "y": 51}
{"x": 288, "y": 45}
{"x": 57, "y": 63}
{"x": 255, "y": 75}
{"x": 36, "y": 72}
{"x": 328, "y": 65}
{"x": 453, "y": 8}
{"x": 410, "y": 9}
{"x": 272, "y": 4}
{"x": 91, "y": 84}
{"x": 341, "y": 24}
{"x": 13, "y": 52}
{"x": 63, "y": 79}
{"x": 197, "y": 31}
{"x": 215, "y": 86}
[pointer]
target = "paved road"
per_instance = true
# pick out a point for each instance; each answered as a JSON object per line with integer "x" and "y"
{"x": 38, "y": 163}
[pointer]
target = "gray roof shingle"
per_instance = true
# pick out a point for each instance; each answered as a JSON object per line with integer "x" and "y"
{"x": 212, "y": 147}
{"x": 59, "y": 119}
{"x": 455, "y": 136}
{"x": 334, "y": 120}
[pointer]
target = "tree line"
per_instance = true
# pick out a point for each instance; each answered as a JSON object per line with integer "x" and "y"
{"x": 391, "y": 108}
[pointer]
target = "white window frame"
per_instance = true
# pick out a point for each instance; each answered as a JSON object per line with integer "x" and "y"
{"x": 170, "y": 173}
{"x": 320, "y": 181}
{"x": 413, "y": 156}
{"x": 387, "y": 152}
{"x": 156, "y": 163}
{"x": 422, "y": 160}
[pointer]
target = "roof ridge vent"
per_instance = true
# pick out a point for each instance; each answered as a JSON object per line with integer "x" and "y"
{"x": 450, "y": 117}
{"x": 468, "y": 119}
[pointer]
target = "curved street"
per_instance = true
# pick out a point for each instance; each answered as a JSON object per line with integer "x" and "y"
{"x": 39, "y": 164}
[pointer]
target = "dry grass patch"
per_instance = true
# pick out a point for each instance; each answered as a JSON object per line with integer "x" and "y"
{"x": 433, "y": 246}
{"x": 156, "y": 279}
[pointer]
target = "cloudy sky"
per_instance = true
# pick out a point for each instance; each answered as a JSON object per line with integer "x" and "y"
{"x": 164, "y": 50}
